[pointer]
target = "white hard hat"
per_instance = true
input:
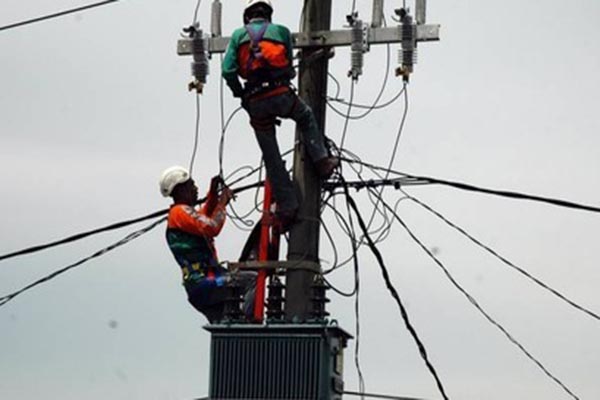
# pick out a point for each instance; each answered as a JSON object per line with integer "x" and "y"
{"x": 172, "y": 177}
{"x": 252, "y": 3}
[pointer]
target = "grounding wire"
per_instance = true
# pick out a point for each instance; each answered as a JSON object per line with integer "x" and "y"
{"x": 55, "y": 15}
{"x": 477, "y": 306}
{"x": 125, "y": 240}
{"x": 503, "y": 259}
{"x": 395, "y": 295}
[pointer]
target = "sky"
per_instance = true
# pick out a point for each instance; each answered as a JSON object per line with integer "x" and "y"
{"x": 94, "y": 106}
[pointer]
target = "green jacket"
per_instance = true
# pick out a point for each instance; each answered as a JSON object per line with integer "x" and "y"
{"x": 231, "y": 69}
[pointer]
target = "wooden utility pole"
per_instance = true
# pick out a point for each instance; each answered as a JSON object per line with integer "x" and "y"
{"x": 304, "y": 236}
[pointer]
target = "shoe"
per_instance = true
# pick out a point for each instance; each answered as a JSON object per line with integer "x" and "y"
{"x": 326, "y": 165}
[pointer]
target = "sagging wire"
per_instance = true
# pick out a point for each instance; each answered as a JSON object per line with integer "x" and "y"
{"x": 125, "y": 240}
{"x": 476, "y": 304}
{"x": 395, "y": 295}
{"x": 55, "y": 15}
{"x": 503, "y": 259}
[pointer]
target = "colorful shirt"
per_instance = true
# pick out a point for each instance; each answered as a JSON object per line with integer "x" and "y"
{"x": 276, "y": 48}
{"x": 190, "y": 235}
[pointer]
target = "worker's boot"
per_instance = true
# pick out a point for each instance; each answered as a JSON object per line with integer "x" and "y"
{"x": 326, "y": 165}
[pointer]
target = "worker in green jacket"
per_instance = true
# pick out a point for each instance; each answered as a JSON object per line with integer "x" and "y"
{"x": 261, "y": 54}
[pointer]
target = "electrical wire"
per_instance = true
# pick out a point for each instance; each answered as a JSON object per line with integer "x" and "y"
{"x": 55, "y": 15}
{"x": 503, "y": 259}
{"x": 196, "y": 12}
{"x": 125, "y": 240}
{"x": 395, "y": 295}
{"x": 115, "y": 226}
{"x": 467, "y": 187}
{"x": 477, "y": 306}
{"x": 196, "y": 134}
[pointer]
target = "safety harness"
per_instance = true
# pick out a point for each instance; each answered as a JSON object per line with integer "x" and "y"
{"x": 265, "y": 80}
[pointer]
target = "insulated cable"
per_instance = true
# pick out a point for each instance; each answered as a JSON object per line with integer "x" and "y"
{"x": 476, "y": 304}
{"x": 463, "y": 186}
{"x": 196, "y": 134}
{"x": 114, "y": 226}
{"x": 395, "y": 295}
{"x": 55, "y": 15}
{"x": 125, "y": 240}
{"x": 503, "y": 259}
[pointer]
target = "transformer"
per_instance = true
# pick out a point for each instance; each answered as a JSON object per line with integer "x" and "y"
{"x": 279, "y": 361}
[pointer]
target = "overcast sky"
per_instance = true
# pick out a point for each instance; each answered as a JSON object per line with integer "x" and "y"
{"x": 94, "y": 106}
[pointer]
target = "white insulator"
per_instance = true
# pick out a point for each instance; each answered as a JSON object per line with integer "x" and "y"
{"x": 357, "y": 49}
{"x": 216, "y": 18}
{"x": 377, "y": 17}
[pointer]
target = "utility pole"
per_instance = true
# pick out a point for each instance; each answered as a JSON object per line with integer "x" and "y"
{"x": 304, "y": 236}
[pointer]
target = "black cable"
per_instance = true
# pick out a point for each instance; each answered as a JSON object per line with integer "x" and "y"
{"x": 55, "y": 15}
{"x": 504, "y": 259}
{"x": 347, "y": 119}
{"x": 468, "y": 187}
{"x": 111, "y": 227}
{"x": 395, "y": 295}
{"x": 125, "y": 240}
{"x": 477, "y": 306}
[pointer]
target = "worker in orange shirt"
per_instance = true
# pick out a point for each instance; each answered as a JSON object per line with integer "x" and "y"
{"x": 190, "y": 235}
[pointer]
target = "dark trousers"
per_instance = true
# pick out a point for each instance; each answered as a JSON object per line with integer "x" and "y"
{"x": 263, "y": 113}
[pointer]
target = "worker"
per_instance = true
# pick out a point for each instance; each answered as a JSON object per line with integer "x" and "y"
{"x": 190, "y": 235}
{"x": 261, "y": 53}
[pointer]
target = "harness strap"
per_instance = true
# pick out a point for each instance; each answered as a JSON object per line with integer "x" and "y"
{"x": 255, "y": 38}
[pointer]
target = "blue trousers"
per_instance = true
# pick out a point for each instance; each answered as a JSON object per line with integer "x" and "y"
{"x": 263, "y": 114}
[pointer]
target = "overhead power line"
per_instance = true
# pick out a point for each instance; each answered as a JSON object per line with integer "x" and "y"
{"x": 56, "y": 15}
{"x": 458, "y": 185}
{"x": 395, "y": 295}
{"x": 476, "y": 304}
{"x": 107, "y": 228}
{"x": 504, "y": 259}
{"x": 125, "y": 240}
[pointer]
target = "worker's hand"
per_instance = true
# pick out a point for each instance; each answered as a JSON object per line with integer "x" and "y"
{"x": 226, "y": 195}
{"x": 215, "y": 182}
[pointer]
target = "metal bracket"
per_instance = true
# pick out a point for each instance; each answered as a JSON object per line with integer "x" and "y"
{"x": 336, "y": 38}
{"x": 276, "y": 265}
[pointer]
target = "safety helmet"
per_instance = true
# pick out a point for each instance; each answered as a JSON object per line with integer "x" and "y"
{"x": 172, "y": 177}
{"x": 252, "y": 3}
